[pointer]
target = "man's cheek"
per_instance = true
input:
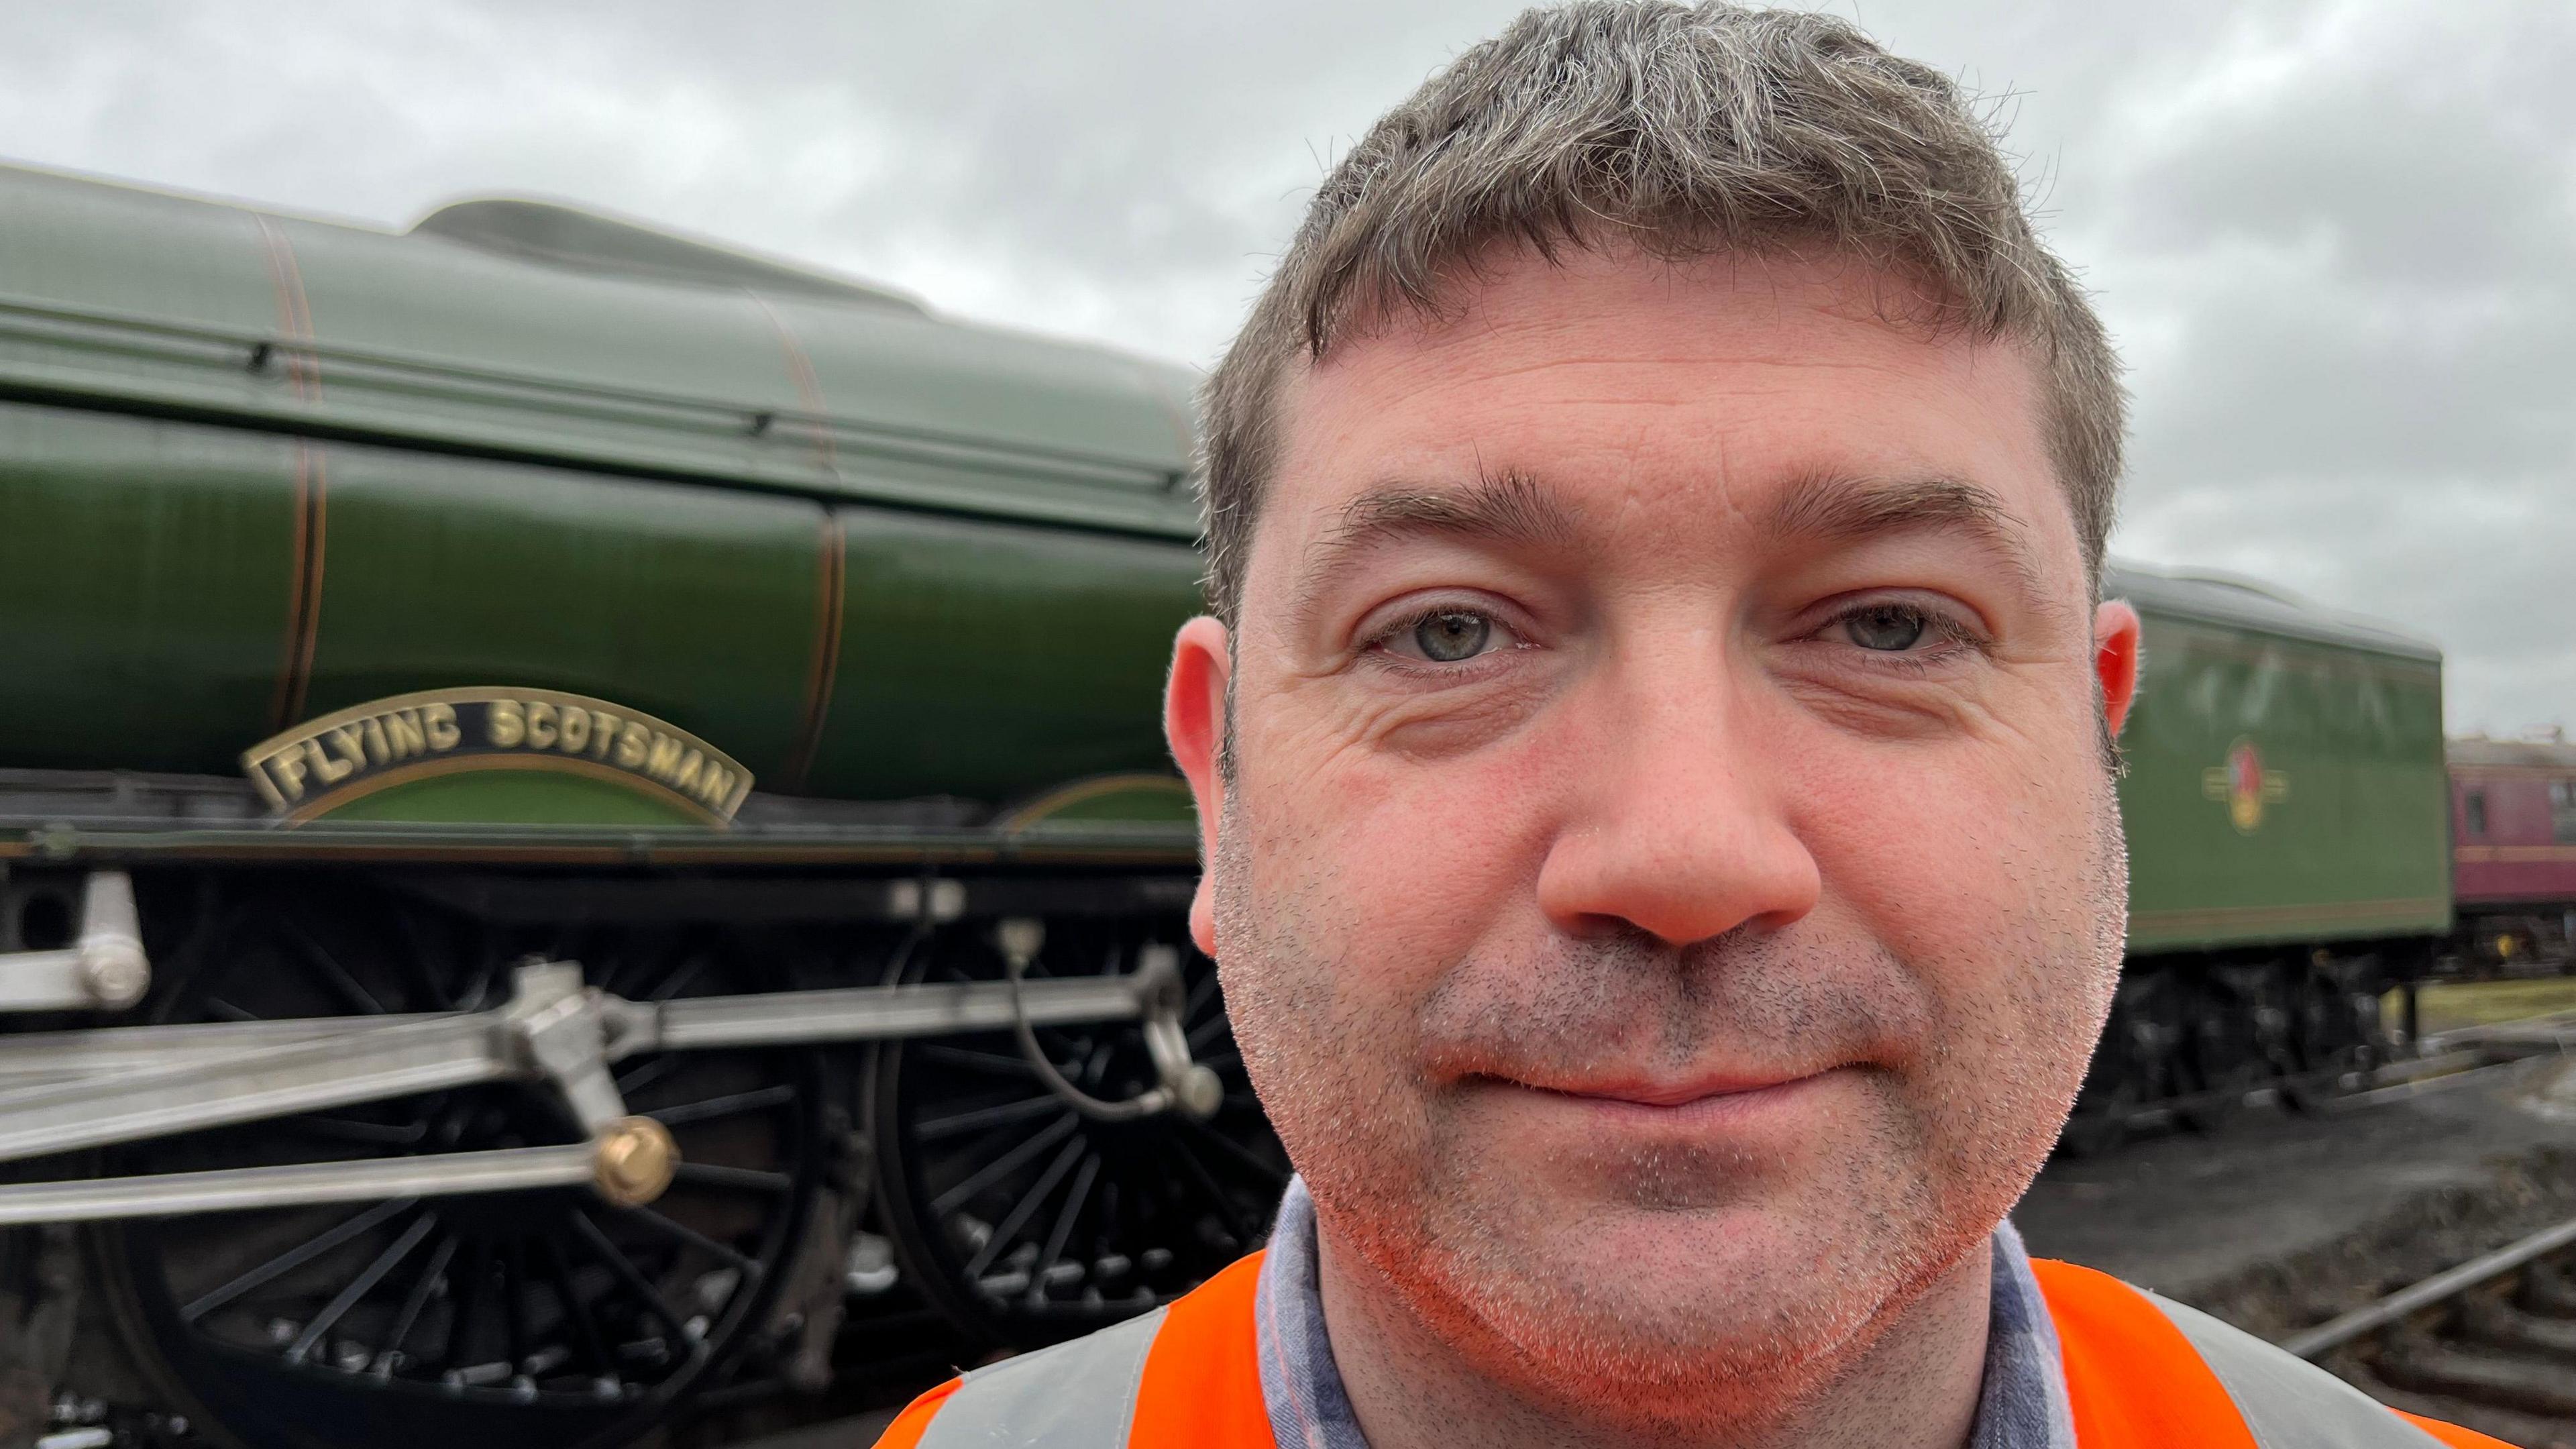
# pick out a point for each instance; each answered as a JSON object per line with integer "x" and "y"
{"x": 2006, "y": 851}
{"x": 1915, "y": 896}
{"x": 1430, "y": 867}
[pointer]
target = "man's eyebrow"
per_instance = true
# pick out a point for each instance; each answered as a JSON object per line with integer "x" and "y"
{"x": 1848, "y": 509}
{"x": 1510, "y": 508}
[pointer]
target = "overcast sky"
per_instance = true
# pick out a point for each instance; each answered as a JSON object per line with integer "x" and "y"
{"x": 2336, "y": 241}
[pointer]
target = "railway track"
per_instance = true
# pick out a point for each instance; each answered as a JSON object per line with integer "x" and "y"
{"x": 2490, "y": 1344}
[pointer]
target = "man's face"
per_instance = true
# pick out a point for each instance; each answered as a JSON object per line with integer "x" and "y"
{"x": 1670, "y": 884}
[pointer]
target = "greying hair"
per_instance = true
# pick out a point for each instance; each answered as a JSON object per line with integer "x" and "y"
{"x": 1684, "y": 130}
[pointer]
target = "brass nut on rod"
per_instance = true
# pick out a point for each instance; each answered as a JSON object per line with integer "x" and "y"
{"x": 633, "y": 1160}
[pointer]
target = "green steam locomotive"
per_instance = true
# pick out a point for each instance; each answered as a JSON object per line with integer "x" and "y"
{"x": 737, "y": 672}
{"x": 583, "y": 823}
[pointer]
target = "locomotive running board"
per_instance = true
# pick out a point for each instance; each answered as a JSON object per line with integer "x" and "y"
{"x": 71, "y": 1090}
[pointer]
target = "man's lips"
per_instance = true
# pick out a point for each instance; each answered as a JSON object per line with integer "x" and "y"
{"x": 1664, "y": 1092}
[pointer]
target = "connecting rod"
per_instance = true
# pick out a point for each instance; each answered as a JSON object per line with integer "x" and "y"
{"x": 66, "y": 1091}
{"x": 504, "y": 1170}
{"x": 96, "y": 1109}
{"x": 92, "y": 1088}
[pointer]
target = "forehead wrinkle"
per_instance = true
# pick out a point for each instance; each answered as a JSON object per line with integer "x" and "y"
{"x": 1843, "y": 509}
{"x": 1510, "y": 508}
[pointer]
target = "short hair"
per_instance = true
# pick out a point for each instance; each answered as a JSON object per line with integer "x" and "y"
{"x": 1686, "y": 130}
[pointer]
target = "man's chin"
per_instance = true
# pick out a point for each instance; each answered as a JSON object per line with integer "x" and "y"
{"x": 1711, "y": 1264}
{"x": 1770, "y": 1343}
{"x": 1678, "y": 1297}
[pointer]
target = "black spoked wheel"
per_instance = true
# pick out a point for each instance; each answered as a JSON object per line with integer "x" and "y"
{"x": 539, "y": 1318}
{"x": 2338, "y": 1036}
{"x": 1029, "y": 1222}
{"x": 2221, "y": 1062}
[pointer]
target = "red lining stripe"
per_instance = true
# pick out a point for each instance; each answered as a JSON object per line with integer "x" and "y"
{"x": 831, "y": 590}
{"x": 308, "y": 540}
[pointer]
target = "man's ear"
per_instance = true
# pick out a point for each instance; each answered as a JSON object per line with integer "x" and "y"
{"x": 2115, "y": 659}
{"x": 1194, "y": 724}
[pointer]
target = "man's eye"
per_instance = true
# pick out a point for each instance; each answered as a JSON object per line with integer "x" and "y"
{"x": 1447, "y": 636}
{"x": 1886, "y": 628}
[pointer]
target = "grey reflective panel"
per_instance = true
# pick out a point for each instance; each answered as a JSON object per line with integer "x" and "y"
{"x": 2289, "y": 1403}
{"x": 1078, "y": 1395}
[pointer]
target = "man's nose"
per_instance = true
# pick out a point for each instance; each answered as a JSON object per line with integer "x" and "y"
{"x": 1672, "y": 824}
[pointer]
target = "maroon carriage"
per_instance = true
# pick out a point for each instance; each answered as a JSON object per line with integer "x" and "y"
{"x": 2513, "y": 836}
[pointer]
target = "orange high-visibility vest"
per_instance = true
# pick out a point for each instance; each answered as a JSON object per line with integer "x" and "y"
{"x": 2142, "y": 1372}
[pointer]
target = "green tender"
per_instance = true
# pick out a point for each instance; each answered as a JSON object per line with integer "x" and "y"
{"x": 2341, "y": 721}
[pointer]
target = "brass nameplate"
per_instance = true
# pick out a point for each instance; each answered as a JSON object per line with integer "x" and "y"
{"x": 329, "y": 761}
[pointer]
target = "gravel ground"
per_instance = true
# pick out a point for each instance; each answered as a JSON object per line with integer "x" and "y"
{"x": 2279, "y": 1221}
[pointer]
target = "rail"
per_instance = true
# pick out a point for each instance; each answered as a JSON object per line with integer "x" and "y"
{"x": 2335, "y": 1332}
{"x": 2489, "y": 1344}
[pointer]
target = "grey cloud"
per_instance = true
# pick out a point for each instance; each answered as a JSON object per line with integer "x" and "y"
{"x": 2342, "y": 246}
{"x": 2430, "y": 149}
{"x": 2301, "y": 369}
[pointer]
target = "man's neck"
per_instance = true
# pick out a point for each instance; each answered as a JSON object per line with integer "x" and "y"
{"x": 1915, "y": 1387}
